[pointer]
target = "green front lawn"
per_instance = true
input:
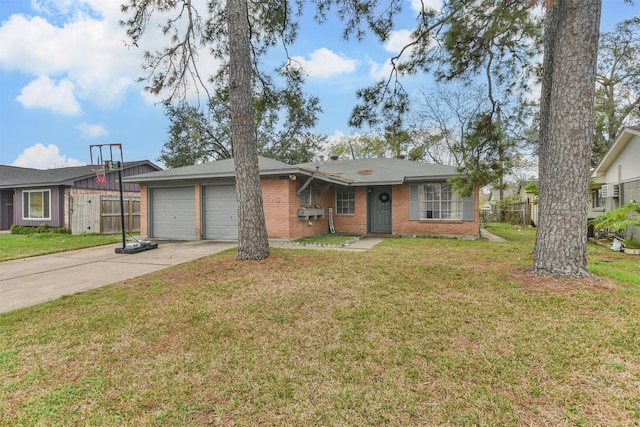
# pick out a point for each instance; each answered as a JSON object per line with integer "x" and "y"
{"x": 413, "y": 332}
{"x": 601, "y": 260}
{"x": 14, "y": 246}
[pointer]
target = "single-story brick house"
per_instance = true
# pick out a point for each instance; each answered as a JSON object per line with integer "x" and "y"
{"x": 67, "y": 197}
{"x": 385, "y": 196}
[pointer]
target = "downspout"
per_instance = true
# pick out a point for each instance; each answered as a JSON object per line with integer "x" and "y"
{"x": 620, "y": 192}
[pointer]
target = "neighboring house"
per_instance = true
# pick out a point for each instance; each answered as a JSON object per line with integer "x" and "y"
{"x": 616, "y": 179}
{"x": 385, "y": 196}
{"x": 520, "y": 205}
{"x": 68, "y": 197}
{"x": 507, "y": 193}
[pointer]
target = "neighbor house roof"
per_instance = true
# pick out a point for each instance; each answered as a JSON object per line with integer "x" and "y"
{"x": 17, "y": 177}
{"x": 343, "y": 172}
{"x": 618, "y": 146}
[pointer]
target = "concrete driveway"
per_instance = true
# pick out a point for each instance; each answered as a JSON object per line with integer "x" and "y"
{"x": 30, "y": 281}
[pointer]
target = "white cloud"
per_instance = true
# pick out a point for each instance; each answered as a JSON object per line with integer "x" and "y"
{"x": 379, "y": 71}
{"x": 61, "y": 7}
{"x": 82, "y": 41}
{"x": 88, "y": 48}
{"x": 87, "y": 52}
{"x": 92, "y": 131}
{"x": 394, "y": 44}
{"x": 337, "y": 136}
{"x": 416, "y": 5}
{"x": 324, "y": 63}
{"x": 45, "y": 93}
{"x": 397, "y": 40}
{"x": 40, "y": 157}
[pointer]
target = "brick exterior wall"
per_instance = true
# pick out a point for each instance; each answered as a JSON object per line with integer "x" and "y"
{"x": 281, "y": 204}
{"x": 401, "y": 225}
{"x": 144, "y": 211}
{"x": 352, "y": 223}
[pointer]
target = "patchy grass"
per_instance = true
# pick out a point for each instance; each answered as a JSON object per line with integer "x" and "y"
{"x": 601, "y": 259}
{"x": 327, "y": 240}
{"x": 616, "y": 265}
{"x": 413, "y": 332}
{"x": 14, "y": 246}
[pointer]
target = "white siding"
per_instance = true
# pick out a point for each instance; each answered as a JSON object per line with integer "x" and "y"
{"x": 627, "y": 163}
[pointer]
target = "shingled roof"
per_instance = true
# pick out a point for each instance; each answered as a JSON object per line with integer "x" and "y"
{"x": 380, "y": 171}
{"x": 17, "y": 177}
{"x": 218, "y": 169}
{"x": 342, "y": 172}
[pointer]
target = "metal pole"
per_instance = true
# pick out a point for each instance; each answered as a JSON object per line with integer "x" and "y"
{"x": 124, "y": 239}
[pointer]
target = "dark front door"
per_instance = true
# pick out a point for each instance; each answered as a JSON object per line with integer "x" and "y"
{"x": 380, "y": 210}
{"x": 6, "y": 209}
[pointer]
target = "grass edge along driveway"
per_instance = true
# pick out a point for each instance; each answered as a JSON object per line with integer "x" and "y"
{"x": 15, "y": 246}
{"x": 413, "y": 332}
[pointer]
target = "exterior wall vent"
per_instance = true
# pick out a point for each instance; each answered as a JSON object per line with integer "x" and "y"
{"x": 610, "y": 190}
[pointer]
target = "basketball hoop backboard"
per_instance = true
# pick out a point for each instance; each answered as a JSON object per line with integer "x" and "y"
{"x": 107, "y": 155}
{"x": 105, "y": 158}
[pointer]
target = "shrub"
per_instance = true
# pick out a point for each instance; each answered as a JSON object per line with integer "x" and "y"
{"x": 43, "y": 228}
{"x": 626, "y": 216}
{"x": 20, "y": 229}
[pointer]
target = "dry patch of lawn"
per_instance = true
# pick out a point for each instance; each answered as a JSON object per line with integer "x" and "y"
{"x": 414, "y": 332}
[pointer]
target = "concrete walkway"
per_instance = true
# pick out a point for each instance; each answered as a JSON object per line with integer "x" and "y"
{"x": 363, "y": 244}
{"x": 491, "y": 237}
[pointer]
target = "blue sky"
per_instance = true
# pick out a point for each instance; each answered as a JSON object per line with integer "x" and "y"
{"x": 67, "y": 80}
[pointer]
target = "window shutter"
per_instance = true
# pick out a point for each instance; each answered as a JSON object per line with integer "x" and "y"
{"x": 468, "y": 208}
{"x": 414, "y": 203}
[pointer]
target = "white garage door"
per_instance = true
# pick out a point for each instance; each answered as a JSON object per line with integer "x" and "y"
{"x": 173, "y": 213}
{"x": 220, "y": 212}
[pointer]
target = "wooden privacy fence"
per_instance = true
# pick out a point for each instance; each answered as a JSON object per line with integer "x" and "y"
{"x": 93, "y": 213}
{"x": 110, "y": 220}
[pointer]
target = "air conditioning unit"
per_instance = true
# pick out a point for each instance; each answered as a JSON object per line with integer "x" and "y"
{"x": 610, "y": 190}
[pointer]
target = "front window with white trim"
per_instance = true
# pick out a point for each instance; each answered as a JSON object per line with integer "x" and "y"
{"x": 439, "y": 201}
{"x": 36, "y": 204}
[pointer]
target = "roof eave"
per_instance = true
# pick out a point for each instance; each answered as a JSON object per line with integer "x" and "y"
{"x": 616, "y": 148}
{"x": 430, "y": 177}
{"x": 37, "y": 184}
{"x": 202, "y": 176}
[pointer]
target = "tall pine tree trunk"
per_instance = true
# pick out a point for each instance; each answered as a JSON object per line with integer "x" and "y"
{"x": 566, "y": 136}
{"x": 253, "y": 242}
